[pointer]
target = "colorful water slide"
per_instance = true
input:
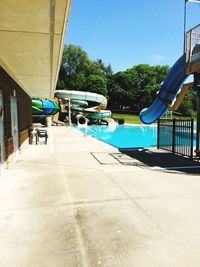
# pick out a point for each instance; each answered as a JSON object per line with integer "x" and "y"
{"x": 43, "y": 108}
{"x": 168, "y": 91}
{"x": 93, "y": 113}
{"x": 81, "y": 95}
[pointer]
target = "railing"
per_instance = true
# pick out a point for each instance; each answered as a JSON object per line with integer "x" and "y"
{"x": 192, "y": 49}
{"x": 176, "y": 136}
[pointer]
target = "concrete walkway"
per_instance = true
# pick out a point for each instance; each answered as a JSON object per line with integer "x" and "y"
{"x": 70, "y": 203}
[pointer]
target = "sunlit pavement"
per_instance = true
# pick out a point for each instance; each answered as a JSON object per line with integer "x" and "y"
{"x": 70, "y": 203}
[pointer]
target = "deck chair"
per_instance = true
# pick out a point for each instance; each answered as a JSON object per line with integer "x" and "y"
{"x": 40, "y": 133}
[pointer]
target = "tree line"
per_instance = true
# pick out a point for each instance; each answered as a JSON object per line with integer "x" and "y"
{"x": 132, "y": 89}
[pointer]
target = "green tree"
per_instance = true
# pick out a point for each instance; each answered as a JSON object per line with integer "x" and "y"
{"x": 188, "y": 105}
{"x": 119, "y": 89}
{"x": 74, "y": 60}
{"x": 136, "y": 87}
{"x": 96, "y": 84}
{"x": 97, "y": 67}
{"x": 76, "y": 68}
{"x": 73, "y": 67}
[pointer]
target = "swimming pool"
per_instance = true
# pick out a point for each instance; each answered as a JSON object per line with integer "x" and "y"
{"x": 123, "y": 136}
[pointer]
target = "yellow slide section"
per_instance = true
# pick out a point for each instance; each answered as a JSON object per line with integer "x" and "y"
{"x": 181, "y": 96}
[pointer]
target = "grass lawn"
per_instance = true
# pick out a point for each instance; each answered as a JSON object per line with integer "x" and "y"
{"x": 134, "y": 119}
{"x": 127, "y": 118}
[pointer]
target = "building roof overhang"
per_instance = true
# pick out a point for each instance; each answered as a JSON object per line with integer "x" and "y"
{"x": 31, "y": 42}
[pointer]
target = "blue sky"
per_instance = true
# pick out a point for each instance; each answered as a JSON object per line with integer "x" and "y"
{"x": 129, "y": 32}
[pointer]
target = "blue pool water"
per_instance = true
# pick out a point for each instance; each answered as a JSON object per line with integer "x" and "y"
{"x": 124, "y": 136}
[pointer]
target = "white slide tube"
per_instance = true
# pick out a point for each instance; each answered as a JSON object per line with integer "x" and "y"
{"x": 80, "y": 95}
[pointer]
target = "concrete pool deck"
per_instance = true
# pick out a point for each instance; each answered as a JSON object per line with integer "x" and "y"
{"x": 71, "y": 203}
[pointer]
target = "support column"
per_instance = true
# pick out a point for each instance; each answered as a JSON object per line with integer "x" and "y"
{"x": 48, "y": 121}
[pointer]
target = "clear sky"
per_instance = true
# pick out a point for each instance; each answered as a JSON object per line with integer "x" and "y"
{"x": 129, "y": 32}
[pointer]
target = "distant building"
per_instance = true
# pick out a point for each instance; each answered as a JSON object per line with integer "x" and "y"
{"x": 31, "y": 43}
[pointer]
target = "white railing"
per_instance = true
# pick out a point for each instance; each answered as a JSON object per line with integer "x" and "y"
{"x": 192, "y": 48}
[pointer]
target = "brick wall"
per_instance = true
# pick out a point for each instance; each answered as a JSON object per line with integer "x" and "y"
{"x": 10, "y": 88}
{"x": 24, "y": 139}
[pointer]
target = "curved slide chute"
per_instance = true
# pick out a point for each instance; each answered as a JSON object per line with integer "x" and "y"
{"x": 94, "y": 113}
{"x": 81, "y": 95}
{"x": 168, "y": 91}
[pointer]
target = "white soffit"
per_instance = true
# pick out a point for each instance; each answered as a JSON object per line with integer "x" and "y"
{"x": 31, "y": 42}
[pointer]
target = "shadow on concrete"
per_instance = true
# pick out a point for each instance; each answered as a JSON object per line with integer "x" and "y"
{"x": 158, "y": 159}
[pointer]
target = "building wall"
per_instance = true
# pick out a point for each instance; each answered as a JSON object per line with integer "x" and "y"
{"x": 10, "y": 89}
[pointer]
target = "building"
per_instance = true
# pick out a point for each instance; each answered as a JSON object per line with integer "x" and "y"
{"x": 31, "y": 43}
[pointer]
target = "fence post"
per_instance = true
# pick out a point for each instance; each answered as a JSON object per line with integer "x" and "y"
{"x": 173, "y": 135}
{"x": 197, "y": 87}
{"x": 158, "y": 134}
{"x": 192, "y": 131}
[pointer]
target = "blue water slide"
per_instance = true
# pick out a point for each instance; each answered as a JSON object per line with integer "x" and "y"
{"x": 168, "y": 91}
{"x": 48, "y": 107}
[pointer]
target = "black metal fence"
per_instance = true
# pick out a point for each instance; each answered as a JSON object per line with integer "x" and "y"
{"x": 176, "y": 136}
